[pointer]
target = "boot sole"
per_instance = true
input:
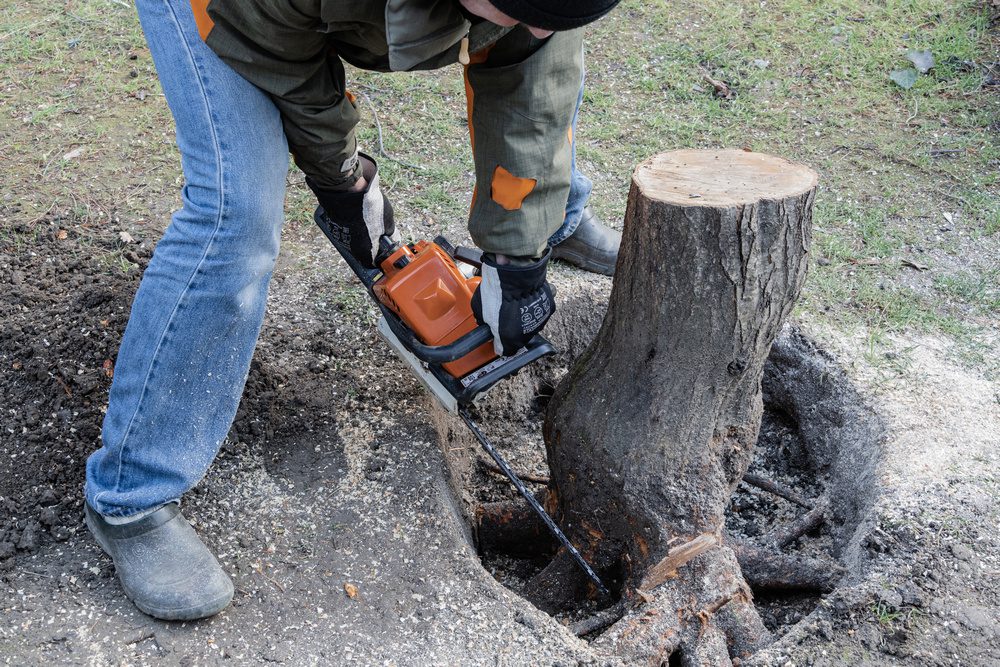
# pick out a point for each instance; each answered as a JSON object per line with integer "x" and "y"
{"x": 584, "y": 263}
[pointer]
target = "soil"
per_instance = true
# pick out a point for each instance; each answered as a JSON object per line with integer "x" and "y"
{"x": 339, "y": 475}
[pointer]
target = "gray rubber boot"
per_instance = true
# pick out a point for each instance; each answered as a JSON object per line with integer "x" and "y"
{"x": 162, "y": 565}
{"x": 592, "y": 247}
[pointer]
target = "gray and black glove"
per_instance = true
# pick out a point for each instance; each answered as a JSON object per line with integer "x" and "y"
{"x": 515, "y": 301}
{"x": 359, "y": 219}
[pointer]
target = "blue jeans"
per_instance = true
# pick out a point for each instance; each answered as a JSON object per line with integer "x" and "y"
{"x": 580, "y": 188}
{"x": 197, "y": 314}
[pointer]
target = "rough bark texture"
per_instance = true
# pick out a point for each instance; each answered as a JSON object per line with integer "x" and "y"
{"x": 651, "y": 430}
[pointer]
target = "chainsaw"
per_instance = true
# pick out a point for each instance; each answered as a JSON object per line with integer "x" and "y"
{"x": 424, "y": 292}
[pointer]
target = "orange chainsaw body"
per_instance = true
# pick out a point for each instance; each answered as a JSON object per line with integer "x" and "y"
{"x": 424, "y": 287}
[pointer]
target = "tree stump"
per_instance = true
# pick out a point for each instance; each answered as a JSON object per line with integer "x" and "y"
{"x": 649, "y": 433}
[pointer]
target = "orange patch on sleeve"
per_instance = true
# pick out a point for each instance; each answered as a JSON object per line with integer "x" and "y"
{"x": 509, "y": 190}
{"x": 201, "y": 17}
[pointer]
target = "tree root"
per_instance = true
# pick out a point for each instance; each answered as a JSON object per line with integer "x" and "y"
{"x": 704, "y": 614}
{"x": 524, "y": 476}
{"x": 771, "y": 486}
{"x": 782, "y": 536}
{"x": 769, "y": 570}
{"x": 559, "y": 585}
{"x": 600, "y": 620}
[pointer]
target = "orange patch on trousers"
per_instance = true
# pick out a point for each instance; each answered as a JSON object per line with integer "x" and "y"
{"x": 201, "y": 17}
{"x": 509, "y": 190}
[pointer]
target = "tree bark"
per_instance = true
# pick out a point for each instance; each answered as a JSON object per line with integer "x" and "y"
{"x": 649, "y": 433}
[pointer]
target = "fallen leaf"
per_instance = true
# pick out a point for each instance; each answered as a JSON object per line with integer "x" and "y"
{"x": 109, "y": 368}
{"x": 61, "y": 234}
{"x": 125, "y": 237}
{"x": 76, "y": 152}
{"x": 904, "y": 78}
{"x": 913, "y": 265}
{"x": 351, "y": 590}
{"x": 922, "y": 60}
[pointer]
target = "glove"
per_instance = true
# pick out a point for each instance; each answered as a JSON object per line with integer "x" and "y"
{"x": 514, "y": 301}
{"x": 359, "y": 219}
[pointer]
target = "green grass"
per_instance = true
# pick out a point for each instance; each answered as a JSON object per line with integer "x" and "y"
{"x": 810, "y": 82}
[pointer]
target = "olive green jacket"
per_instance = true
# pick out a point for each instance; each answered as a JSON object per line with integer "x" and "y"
{"x": 522, "y": 94}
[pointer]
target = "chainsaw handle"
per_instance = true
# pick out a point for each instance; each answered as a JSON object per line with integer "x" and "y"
{"x": 436, "y": 354}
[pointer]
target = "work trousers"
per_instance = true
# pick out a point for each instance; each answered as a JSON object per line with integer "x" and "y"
{"x": 196, "y": 317}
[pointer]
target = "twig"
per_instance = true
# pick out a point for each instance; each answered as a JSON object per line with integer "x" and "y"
{"x": 777, "y": 489}
{"x": 527, "y": 477}
{"x": 721, "y": 87}
{"x": 782, "y": 536}
{"x": 144, "y": 634}
{"x": 27, "y": 27}
{"x": 600, "y": 620}
{"x": 38, "y": 574}
{"x": 275, "y": 583}
{"x": 381, "y": 144}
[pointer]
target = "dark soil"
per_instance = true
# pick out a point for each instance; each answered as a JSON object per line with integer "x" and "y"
{"x": 63, "y": 309}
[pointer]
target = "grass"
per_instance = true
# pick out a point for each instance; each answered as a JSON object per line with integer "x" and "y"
{"x": 810, "y": 82}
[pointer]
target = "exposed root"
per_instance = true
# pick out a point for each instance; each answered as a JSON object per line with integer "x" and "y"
{"x": 524, "y": 476}
{"x": 600, "y": 620}
{"x": 739, "y": 620}
{"x": 708, "y": 648}
{"x": 558, "y": 586}
{"x": 767, "y": 569}
{"x": 782, "y": 536}
{"x": 771, "y": 486}
{"x": 705, "y": 613}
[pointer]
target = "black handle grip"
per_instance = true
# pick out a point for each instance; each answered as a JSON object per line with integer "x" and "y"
{"x": 436, "y": 354}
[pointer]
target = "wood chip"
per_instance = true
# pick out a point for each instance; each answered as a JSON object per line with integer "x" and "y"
{"x": 675, "y": 558}
{"x": 913, "y": 265}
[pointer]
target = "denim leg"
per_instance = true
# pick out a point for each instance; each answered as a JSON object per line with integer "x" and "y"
{"x": 579, "y": 187}
{"x": 196, "y": 316}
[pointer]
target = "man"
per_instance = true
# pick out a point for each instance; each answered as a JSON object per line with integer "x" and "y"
{"x": 271, "y": 80}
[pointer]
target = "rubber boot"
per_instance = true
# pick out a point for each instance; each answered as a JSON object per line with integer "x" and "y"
{"x": 162, "y": 565}
{"x": 592, "y": 247}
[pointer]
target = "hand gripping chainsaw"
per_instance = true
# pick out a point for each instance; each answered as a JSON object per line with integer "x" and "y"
{"x": 425, "y": 301}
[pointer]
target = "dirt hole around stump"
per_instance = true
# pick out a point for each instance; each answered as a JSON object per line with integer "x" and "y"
{"x": 818, "y": 439}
